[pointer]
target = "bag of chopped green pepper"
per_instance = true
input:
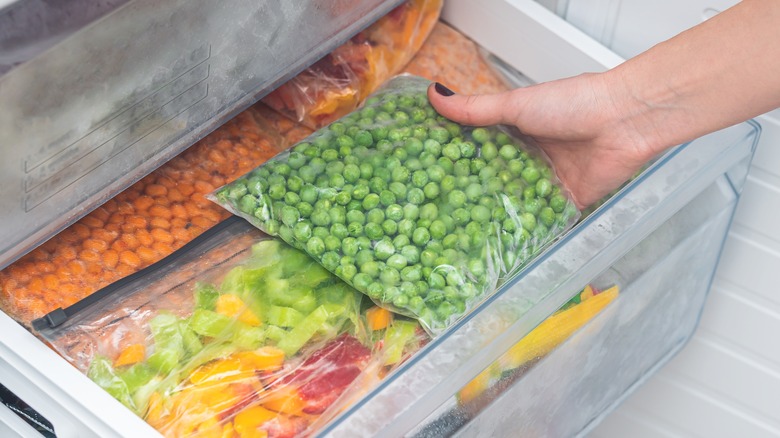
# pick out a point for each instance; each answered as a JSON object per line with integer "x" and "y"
{"x": 423, "y": 215}
{"x": 235, "y": 332}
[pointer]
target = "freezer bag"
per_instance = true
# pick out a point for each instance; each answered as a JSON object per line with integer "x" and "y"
{"x": 144, "y": 223}
{"x": 421, "y": 214}
{"x": 236, "y": 334}
{"x": 340, "y": 81}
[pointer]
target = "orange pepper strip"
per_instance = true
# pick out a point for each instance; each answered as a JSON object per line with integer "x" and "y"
{"x": 132, "y": 354}
{"x": 284, "y": 400}
{"x": 263, "y": 359}
{"x": 250, "y": 419}
{"x": 378, "y": 318}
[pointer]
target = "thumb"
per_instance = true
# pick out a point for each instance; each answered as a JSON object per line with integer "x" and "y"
{"x": 474, "y": 110}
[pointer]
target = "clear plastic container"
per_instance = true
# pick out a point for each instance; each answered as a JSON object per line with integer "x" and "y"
{"x": 658, "y": 239}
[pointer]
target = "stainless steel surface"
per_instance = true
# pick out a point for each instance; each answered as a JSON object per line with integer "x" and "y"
{"x": 96, "y": 112}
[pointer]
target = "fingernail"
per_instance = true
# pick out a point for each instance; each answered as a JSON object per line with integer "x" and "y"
{"x": 444, "y": 91}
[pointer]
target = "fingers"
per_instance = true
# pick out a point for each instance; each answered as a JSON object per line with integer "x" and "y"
{"x": 475, "y": 110}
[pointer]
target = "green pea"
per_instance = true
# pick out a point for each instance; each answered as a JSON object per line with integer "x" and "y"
{"x": 451, "y": 151}
{"x": 467, "y": 149}
{"x": 398, "y": 189}
{"x": 558, "y": 203}
{"x": 393, "y": 212}
{"x": 531, "y": 175}
{"x": 528, "y": 221}
{"x": 386, "y": 198}
{"x": 438, "y": 230}
{"x": 370, "y": 201}
{"x": 302, "y": 231}
{"x": 480, "y": 135}
{"x": 421, "y": 236}
{"x": 431, "y": 190}
{"x": 456, "y": 198}
{"x": 315, "y": 246}
{"x": 384, "y": 249}
{"x": 390, "y": 227}
{"x": 366, "y": 170}
{"x": 364, "y": 256}
{"x": 439, "y": 134}
{"x": 390, "y": 276}
{"x": 290, "y": 215}
{"x": 480, "y": 214}
{"x": 411, "y": 273}
{"x": 376, "y": 215}
{"x": 543, "y": 187}
{"x": 373, "y": 231}
{"x": 461, "y": 216}
{"x": 488, "y": 151}
{"x": 339, "y": 230}
{"x": 417, "y": 196}
{"x": 377, "y": 184}
{"x": 401, "y": 241}
{"x": 406, "y": 227}
{"x": 397, "y": 261}
{"x": 348, "y": 272}
{"x": 355, "y": 229}
{"x": 447, "y": 184}
{"x": 361, "y": 281}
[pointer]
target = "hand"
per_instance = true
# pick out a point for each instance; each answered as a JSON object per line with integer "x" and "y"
{"x": 574, "y": 121}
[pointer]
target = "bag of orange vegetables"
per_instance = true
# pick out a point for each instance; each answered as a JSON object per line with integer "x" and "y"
{"x": 339, "y": 82}
{"x": 235, "y": 335}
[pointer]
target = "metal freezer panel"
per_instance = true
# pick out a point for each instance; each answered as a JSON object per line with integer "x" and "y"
{"x": 98, "y": 111}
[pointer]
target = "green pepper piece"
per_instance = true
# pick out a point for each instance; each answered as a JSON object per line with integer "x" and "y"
{"x": 205, "y": 296}
{"x": 396, "y": 337}
{"x": 102, "y": 373}
{"x": 208, "y": 323}
{"x": 303, "y": 332}
{"x": 283, "y": 316}
{"x": 164, "y": 361}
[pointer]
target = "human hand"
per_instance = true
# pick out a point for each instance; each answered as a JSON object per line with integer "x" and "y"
{"x": 593, "y": 147}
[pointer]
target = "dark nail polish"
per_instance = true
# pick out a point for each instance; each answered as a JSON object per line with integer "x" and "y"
{"x": 444, "y": 91}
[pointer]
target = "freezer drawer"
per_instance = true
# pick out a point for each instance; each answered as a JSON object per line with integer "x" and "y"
{"x": 91, "y": 115}
{"x": 671, "y": 219}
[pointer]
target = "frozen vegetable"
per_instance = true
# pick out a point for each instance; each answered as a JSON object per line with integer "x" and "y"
{"x": 141, "y": 225}
{"x": 451, "y": 58}
{"x": 421, "y": 214}
{"x": 341, "y": 80}
{"x": 238, "y": 335}
{"x": 541, "y": 340}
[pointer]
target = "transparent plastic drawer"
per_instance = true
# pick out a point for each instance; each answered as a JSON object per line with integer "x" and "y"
{"x": 658, "y": 239}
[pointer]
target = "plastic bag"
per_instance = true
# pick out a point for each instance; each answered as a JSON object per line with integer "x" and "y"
{"x": 538, "y": 343}
{"x": 141, "y": 225}
{"x": 451, "y": 58}
{"x": 421, "y": 214}
{"x": 236, "y": 334}
{"x": 336, "y": 84}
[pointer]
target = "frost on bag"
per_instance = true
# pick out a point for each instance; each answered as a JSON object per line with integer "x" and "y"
{"x": 423, "y": 215}
{"x": 340, "y": 81}
{"x": 240, "y": 336}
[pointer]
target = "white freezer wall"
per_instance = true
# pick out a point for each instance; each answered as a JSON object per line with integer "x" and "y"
{"x": 726, "y": 381}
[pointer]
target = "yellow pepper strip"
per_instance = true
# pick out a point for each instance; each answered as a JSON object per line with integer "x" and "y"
{"x": 263, "y": 359}
{"x": 248, "y": 421}
{"x": 234, "y": 307}
{"x": 541, "y": 341}
{"x": 555, "y": 330}
{"x": 225, "y": 370}
{"x": 132, "y": 354}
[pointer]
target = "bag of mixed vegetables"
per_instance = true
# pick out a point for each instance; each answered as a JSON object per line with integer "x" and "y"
{"x": 423, "y": 215}
{"x": 339, "y": 82}
{"x": 236, "y": 335}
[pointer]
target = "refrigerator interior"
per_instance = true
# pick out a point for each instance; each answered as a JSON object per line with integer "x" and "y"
{"x": 659, "y": 236}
